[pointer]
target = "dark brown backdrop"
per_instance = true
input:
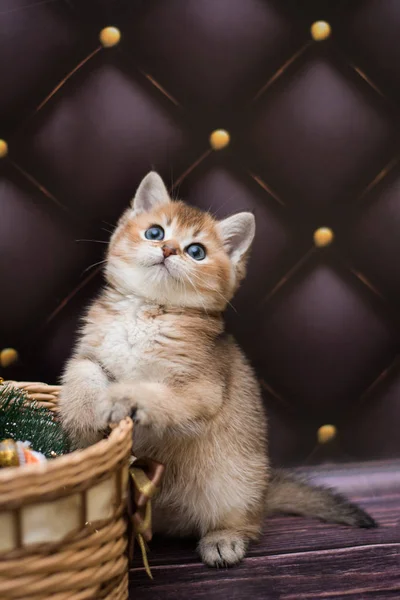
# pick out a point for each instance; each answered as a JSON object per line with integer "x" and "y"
{"x": 314, "y": 142}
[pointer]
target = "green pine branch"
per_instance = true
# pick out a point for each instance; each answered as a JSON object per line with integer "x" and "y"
{"x": 26, "y": 421}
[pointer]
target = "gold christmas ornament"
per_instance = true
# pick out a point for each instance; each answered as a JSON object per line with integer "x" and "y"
{"x": 109, "y": 37}
{"x": 13, "y": 454}
{"x": 3, "y": 148}
{"x": 219, "y": 139}
{"x": 9, "y": 456}
{"x": 320, "y": 30}
{"x": 8, "y": 356}
{"x": 323, "y": 237}
{"x": 326, "y": 433}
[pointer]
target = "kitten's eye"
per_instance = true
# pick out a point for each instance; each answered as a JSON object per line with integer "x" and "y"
{"x": 196, "y": 251}
{"x": 155, "y": 233}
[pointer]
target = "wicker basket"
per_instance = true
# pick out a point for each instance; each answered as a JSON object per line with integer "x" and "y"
{"x": 62, "y": 524}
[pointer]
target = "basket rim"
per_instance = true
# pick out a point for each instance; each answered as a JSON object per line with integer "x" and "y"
{"x": 76, "y": 457}
{"x": 96, "y": 538}
{"x": 71, "y": 473}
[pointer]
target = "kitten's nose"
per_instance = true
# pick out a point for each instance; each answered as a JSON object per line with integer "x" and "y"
{"x": 168, "y": 250}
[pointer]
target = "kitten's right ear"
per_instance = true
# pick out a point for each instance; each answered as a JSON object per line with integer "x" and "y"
{"x": 150, "y": 193}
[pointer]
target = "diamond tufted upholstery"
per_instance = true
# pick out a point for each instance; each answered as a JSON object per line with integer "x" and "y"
{"x": 314, "y": 142}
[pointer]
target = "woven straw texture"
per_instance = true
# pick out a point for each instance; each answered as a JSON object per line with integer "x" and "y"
{"x": 90, "y": 562}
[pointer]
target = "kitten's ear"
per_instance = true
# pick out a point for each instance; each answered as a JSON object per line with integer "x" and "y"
{"x": 150, "y": 193}
{"x": 237, "y": 233}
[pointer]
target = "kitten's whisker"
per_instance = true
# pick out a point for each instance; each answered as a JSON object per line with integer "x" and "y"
{"x": 97, "y": 241}
{"x": 228, "y": 200}
{"x": 213, "y": 290}
{"x": 198, "y": 295}
{"x": 100, "y": 262}
{"x": 112, "y": 225}
{"x": 182, "y": 282}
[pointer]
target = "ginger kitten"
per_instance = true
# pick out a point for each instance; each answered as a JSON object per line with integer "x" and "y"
{"x": 153, "y": 346}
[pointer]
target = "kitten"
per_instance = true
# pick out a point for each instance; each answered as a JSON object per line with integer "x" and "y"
{"x": 153, "y": 346}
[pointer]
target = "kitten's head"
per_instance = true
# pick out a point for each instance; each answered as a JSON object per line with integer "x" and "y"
{"x": 173, "y": 254}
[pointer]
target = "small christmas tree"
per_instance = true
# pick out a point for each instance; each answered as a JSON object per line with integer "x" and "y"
{"x": 26, "y": 421}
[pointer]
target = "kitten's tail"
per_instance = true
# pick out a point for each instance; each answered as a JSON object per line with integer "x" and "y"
{"x": 290, "y": 495}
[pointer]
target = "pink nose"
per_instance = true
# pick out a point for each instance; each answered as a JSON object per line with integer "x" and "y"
{"x": 169, "y": 250}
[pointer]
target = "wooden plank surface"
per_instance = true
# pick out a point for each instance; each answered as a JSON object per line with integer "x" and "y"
{"x": 361, "y": 572}
{"x": 287, "y": 534}
{"x": 296, "y": 558}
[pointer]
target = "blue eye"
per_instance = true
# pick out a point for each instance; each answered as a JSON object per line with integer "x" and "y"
{"x": 196, "y": 251}
{"x": 154, "y": 233}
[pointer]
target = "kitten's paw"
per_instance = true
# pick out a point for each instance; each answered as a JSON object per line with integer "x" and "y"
{"x": 135, "y": 400}
{"x": 141, "y": 415}
{"x": 222, "y": 548}
{"x": 116, "y": 403}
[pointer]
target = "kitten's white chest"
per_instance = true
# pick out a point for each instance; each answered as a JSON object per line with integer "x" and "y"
{"x": 129, "y": 342}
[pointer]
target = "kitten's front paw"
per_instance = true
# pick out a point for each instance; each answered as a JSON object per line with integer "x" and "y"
{"x": 222, "y": 548}
{"x": 116, "y": 403}
{"x": 135, "y": 400}
{"x": 141, "y": 415}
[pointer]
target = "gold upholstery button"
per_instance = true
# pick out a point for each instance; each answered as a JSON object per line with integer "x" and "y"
{"x": 219, "y": 139}
{"x": 8, "y": 356}
{"x": 326, "y": 433}
{"x": 110, "y": 36}
{"x": 3, "y": 148}
{"x": 320, "y": 30}
{"x": 323, "y": 237}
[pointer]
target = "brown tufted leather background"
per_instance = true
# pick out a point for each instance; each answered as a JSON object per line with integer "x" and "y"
{"x": 314, "y": 142}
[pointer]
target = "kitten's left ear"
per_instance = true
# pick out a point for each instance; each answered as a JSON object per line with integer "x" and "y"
{"x": 237, "y": 233}
{"x": 150, "y": 193}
